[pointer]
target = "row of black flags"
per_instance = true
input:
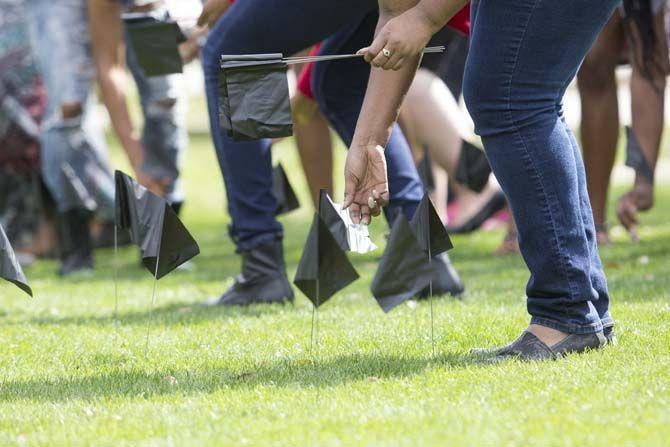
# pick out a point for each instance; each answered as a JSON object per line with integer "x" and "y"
{"x": 324, "y": 268}
{"x": 254, "y": 97}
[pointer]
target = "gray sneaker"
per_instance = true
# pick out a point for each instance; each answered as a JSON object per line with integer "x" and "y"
{"x": 529, "y": 347}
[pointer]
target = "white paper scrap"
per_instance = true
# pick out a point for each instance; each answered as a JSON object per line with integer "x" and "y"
{"x": 357, "y": 234}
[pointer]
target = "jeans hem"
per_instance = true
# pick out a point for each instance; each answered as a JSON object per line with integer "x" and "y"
{"x": 257, "y": 241}
{"x": 590, "y": 328}
{"x": 608, "y": 322}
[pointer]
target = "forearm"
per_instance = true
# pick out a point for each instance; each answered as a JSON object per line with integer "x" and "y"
{"x": 387, "y": 88}
{"x": 107, "y": 40}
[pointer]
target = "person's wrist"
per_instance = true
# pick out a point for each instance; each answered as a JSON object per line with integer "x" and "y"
{"x": 425, "y": 18}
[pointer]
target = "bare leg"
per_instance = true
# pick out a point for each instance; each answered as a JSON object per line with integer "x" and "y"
{"x": 600, "y": 117}
{"x": 312, "y": 136}
{"x": 431, "y": 118}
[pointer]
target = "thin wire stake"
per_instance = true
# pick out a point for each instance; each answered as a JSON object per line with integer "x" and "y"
{"x": 430, "y": 300}
{"x": 116, "y": 275}
{"x": 153, "y": 299}
{"x": 317, "y": 316}
{"x": 311, "y": 340}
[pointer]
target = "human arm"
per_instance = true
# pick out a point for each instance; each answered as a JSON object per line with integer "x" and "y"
{"x": 106, "y": 41}
{"x": 404, "y": 29}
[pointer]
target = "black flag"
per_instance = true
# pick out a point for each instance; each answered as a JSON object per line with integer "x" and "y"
{"x": 404, "y": 269}
{"x": 333, "y": 220}
{"x": 253, "y": 97}
{"x": 473, "y": 169}
{"x": 425, "y": 168}
{"x": 324, "y": 268}
{"x": 287, "y": 200}
{"x": 154, "y": 227}
{"x": 10, "y": 269}
{"x": 155, "y": 43}
{"x": 429, "y": 230}
{"x": 635, "y": 157}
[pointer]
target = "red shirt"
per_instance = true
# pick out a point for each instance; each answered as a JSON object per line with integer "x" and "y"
{"x": 460, "y": 22}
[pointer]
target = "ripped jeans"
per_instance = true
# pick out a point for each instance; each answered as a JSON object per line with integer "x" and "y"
{"x": 73, "y": 149}
{"x": 164, "y": 137}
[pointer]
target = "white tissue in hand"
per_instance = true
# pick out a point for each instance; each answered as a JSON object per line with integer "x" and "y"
{"x": 358, "y": 235}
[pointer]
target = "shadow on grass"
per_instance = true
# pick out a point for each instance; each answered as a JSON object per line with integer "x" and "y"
{"x": 303, "y": 373}
{"x": 170, "y": 314}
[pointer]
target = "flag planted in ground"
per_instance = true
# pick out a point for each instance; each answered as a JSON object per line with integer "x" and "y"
{"x": 287, "y": 200}
{"x": 254, "y": 97}
{"x": 425, "y": 168}
{"x": 404, "y": 270}
{"x": 429, "y": 230}
{"x": 324, "y": 268}
{"x": 10, "y": 269}
{"x": 155, "y": 43}
{"x": 154, "y": 227}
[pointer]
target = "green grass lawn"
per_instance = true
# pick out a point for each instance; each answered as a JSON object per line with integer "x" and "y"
{"x": 69, "y": 375}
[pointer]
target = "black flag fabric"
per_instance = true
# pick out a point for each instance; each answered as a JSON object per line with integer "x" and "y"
{"x": 635, "y": 157}
{"x": 324, "y": 268}
{"x": 287, "y": 200}
{"x": 429, "y": 230}
{"x": 425, "y": 168}
{"x": 404, "y": 270}
{"x": 473, "y": 169}
{"x": 155, "y": 43}
{"x": 10, "y": 269}
{"x": 154, "y": 227}
{"x": 254, "y": 97}
{"x": 333, "y": 220}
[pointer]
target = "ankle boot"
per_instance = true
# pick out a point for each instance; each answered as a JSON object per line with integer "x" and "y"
{"x": 445, "y": 278}
{"x": 262, "y": 280}
{"x": 76, "y": 246}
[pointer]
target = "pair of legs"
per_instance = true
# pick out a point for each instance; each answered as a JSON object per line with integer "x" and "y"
{"x": 600, "y": 109}
{"x": 264, "y": 26}
{"x": 164, "y": 136}
{"x": 523, "y": 55}
{"x": 72, "y": 144}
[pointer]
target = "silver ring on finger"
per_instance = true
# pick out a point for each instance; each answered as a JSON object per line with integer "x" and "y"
{"x": 372, "y": 203}
{"x": 386, "y": 52}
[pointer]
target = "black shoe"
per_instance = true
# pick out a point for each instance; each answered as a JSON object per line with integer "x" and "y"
{"x": 76, "y": 244}
{"x": 608, "y": 332}
{"x": 76, "y": 265}
{"x": 529, "y": 347}
{"x": 106, "y": 237}
{"x": 445, "y": 279}
{"x": 492, "y": 206}
{"x": 262, "y": 280}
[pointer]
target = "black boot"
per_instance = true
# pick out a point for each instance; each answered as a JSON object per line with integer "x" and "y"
{"x": 262, "y": 280}
{"x": 76, "y": 246}
{"x": 105, "y": 238}
{"x": 445, "y": 278}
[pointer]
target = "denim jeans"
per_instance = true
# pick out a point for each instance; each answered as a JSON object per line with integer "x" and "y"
{"x": 264, "y": 26}
{"x": 164, "y": 136}
{"x": 61, "y": 43}
{"x": 523, "y": 54}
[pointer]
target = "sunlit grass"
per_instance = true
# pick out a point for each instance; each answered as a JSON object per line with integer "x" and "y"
{"x": 71, "y": 375}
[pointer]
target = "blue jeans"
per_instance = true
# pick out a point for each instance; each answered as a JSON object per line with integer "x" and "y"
{"x": 59, "y": 36}
{"x": 263, "y": 26}
{"x": 164, "y": 136}
{"x": 523, "y": 54}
